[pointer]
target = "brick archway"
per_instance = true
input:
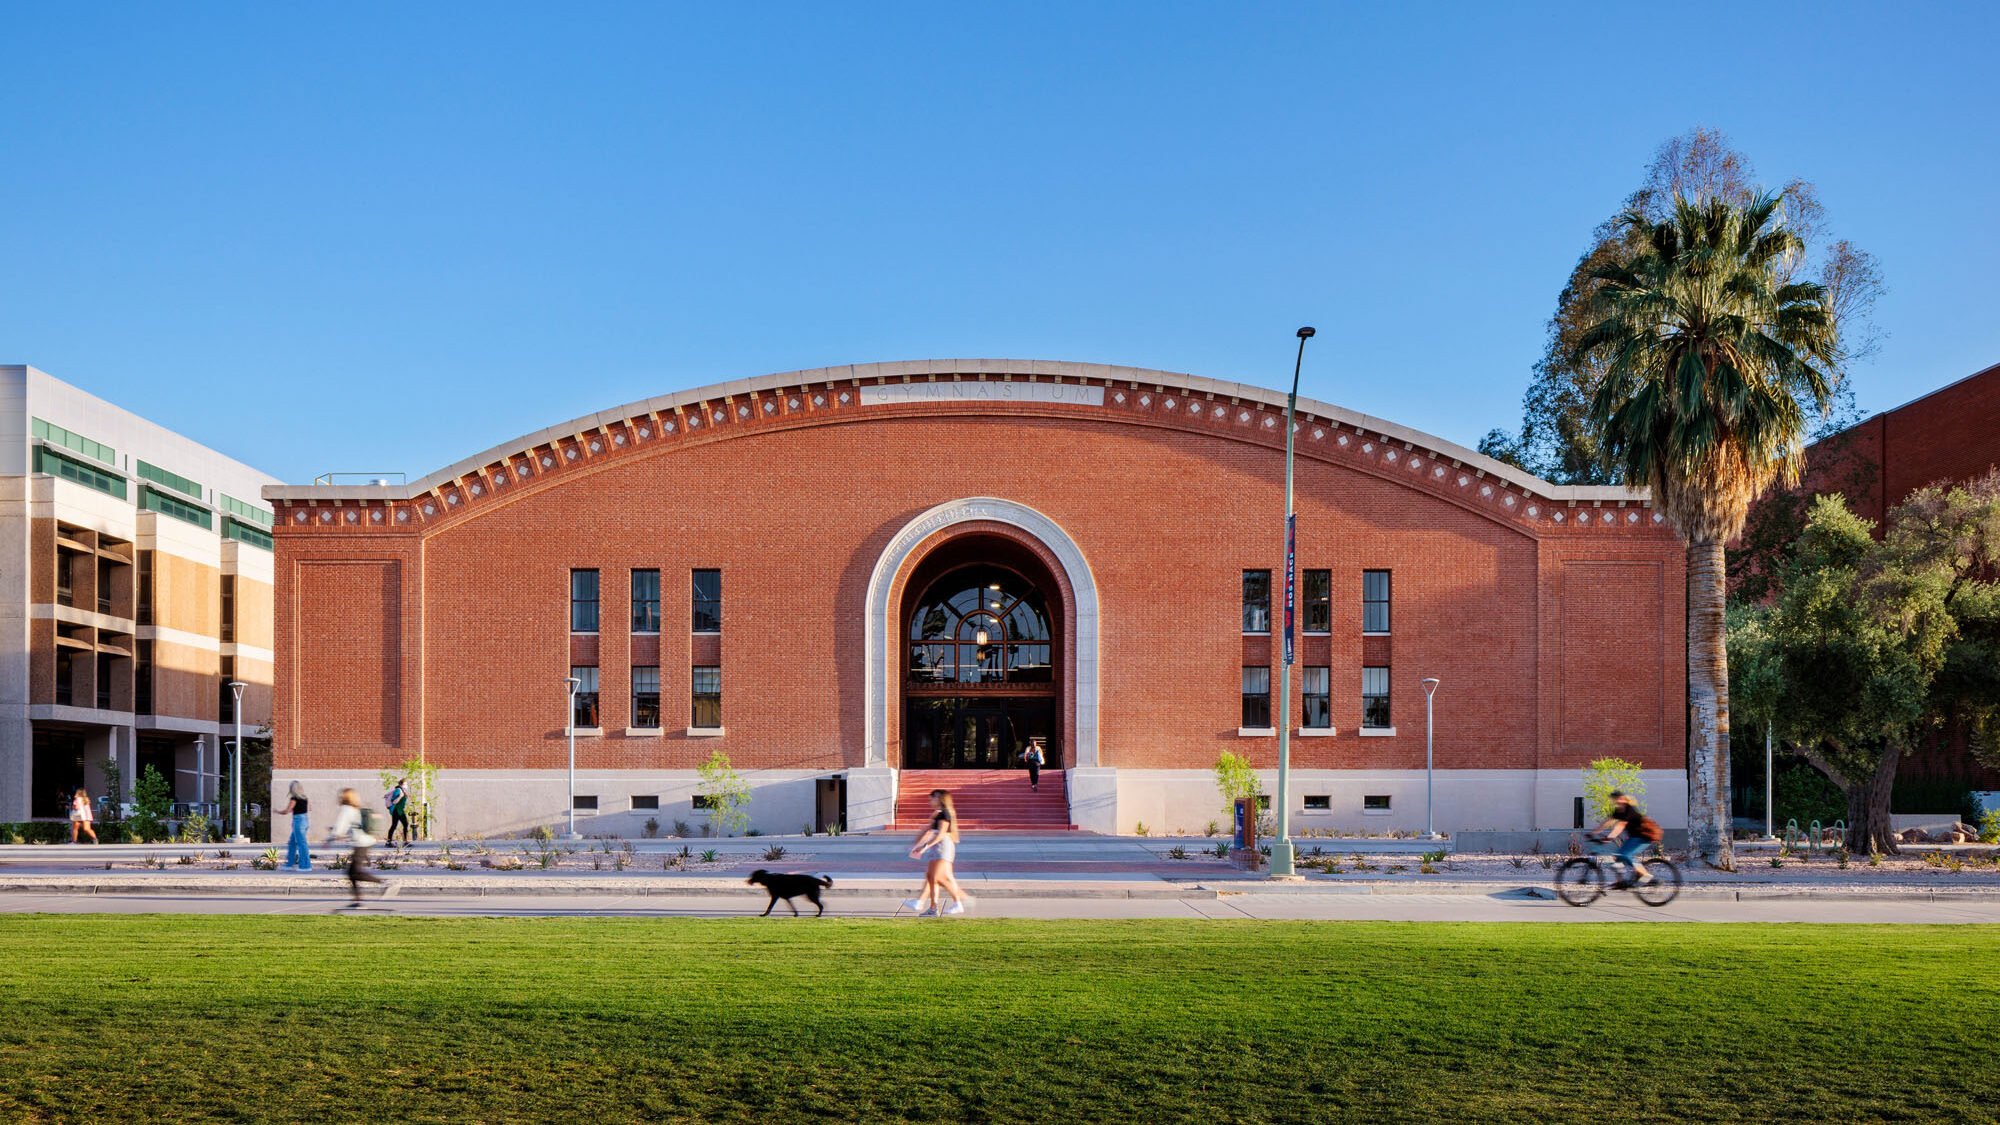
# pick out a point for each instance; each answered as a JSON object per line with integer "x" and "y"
{"x": 1032, "y": 529}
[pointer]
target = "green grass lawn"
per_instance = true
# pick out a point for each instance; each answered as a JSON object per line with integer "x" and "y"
{"x": 128, "y": 1018}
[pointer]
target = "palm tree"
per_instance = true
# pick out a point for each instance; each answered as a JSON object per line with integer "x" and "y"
{"x": 1711, "y": 359}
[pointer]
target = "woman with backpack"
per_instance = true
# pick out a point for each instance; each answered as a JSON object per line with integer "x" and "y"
{"x": 1640, "y": 832}
{"x": 352, "y": 823}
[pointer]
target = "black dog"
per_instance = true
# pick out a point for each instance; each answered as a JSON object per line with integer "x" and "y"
{"x": 788, "y": 886}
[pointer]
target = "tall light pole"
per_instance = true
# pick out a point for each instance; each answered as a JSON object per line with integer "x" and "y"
{"x": 573, "y": 683}
{"x": 1281, "y": 848}
{"x": 236, "y": 775}
{"x": 1770, "y": 821}
{"x": 1430, "y": 801}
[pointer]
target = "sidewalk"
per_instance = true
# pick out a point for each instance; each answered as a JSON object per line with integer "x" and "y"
{"x": 1024, "y": 865}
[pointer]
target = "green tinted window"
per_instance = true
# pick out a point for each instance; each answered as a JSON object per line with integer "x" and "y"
{"x": 153, "y": 500}
{"x": 249, "y": 513}
{"x": 236, "y": 529}
{"x": 56, "y": 435}
{"x": 69, "y": 468}
{"x": 166, "y": 479}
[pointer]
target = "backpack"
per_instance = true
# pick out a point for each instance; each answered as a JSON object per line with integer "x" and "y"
{"x": 370, "y": 823}
{"x": 1650, "y": 831}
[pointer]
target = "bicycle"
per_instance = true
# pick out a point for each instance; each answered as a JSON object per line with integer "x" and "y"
{"x": 1581, "y": 880}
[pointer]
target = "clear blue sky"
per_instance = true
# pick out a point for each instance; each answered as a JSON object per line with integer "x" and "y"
{"x": 370, "y": 236}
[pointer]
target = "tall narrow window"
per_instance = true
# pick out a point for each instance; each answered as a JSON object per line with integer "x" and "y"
{"x": 225, "y": 710}
{"x": 1375, "y": 698}
{"x": 144, "y": 594}
{"x": 1256, "y": 601}
{"x": 583, "y": 601}
{"x": 708, "y": 601}
{"x": 1317, "y": 697}
{"x": 103, "y": 681}
{"x": 645, "y": 601}
{"x": 584, "y": 712}
{"x": 65, "y": 578}
{"x": 142, "y": 678}
{"x": 1257, "y": 696}
{"x": 1374, "y": 601}
{"x": 228, "y": 608}
{"x": 646, "y": 696}
{"x": 65, "y": 677}
{"x": 1318, "y": 597}
{"x": 707, "y": 687}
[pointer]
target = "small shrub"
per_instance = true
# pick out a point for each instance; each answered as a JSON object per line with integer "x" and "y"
{"x": 1874, "y": 859}
{"x": 1518, "y": 861}
{"x": 681, "y": 829}
{"x": 775, "y": 851}
{"x": 1548, "y": 861}
{"x": 1840, "y": 857}
{"x": 686, "y": 852}
{"x": 1427, "y": 867}
{"x": 542, "y": 833}
{"x": 1177, "y": 852}
{"x": 652, "y": 827}
{"x": 620, "y": 860}
{"x": 805, "y": 829}
{"x": 453, "y": 865}
{"x": 189, "y": 859}
{"x": 708, "y": 855}
{"x": 1433, "y": 857}
{"x": 1212, "y": 829}
{"x": 266, "y": 862}
{"x": 753, "y": 831}
{"x": 1954, "y": 864}
{"x": 1989, "y": 827}
{"x": 1777, "y": 861}
{"x": 1222, "y": 851}
{"x": 1933, "y": 859}
{"x": 1139, "y": 829}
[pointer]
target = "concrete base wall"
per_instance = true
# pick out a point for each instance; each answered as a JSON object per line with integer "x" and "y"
{"x": 499, "y": 803}
{"x": 1183, "y": 802}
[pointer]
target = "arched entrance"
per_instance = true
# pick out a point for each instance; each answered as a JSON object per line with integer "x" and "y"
{"x": 981, "y": 625}
{"x": 920, "y": 553}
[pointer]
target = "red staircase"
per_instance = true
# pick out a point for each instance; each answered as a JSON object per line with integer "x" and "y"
{"x": 986, "y": 800}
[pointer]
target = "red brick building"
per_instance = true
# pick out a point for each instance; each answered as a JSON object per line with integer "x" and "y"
{"x": 850, "y": 577}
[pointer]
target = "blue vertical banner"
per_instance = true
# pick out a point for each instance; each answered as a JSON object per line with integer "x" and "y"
{"x": 1291, "y": 548}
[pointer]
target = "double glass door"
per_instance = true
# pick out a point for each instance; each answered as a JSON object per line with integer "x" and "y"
{"x": 955, "y": 732}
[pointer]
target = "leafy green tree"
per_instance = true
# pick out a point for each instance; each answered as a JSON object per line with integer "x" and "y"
{"x": 1872, "y": 645}
{"x": 1236, "y": 779}
{"x": 1606, "y": 776}
{"x": 725, "y": 792}
{"x": 1707, "y": 353}
{"x": 152, "y": 803}
{"x": 1556, "y": 439}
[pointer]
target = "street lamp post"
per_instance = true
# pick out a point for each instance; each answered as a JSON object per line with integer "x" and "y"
{"x": 1770, "y": 817}
{"x": 236, "y": 775}
{"x": 1430, "y": 801}
{"x": 570, "y": 726}
{"x": 1281, "y": 848}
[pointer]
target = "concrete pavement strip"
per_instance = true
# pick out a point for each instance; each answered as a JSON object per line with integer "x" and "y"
{"x": 1047, "y": 887}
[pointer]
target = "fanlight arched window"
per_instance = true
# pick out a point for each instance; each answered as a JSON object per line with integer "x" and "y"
{"x": 980, "y": 625}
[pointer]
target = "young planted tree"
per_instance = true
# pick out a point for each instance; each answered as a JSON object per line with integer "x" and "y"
{"x": 1707, "y": 355}
{"x": 1873, "y": 645}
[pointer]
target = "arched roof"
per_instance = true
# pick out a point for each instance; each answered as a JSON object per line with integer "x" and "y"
{"x": 865, "y": 374}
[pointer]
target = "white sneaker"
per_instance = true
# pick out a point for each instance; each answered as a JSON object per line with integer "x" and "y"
{"x": 913, "y": 904}
{"x": 392, "y": 890}
{"x": 955, "y": 908}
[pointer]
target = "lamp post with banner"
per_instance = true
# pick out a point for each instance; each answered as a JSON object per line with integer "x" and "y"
{"x": 1281, "y": 846}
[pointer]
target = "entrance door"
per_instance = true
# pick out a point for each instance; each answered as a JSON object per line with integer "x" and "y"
{"x": 57, "y": 774}
{"x": 980, "y": 733}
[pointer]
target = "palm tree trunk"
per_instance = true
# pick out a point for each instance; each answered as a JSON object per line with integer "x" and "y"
{"x": 1708, "y": 708}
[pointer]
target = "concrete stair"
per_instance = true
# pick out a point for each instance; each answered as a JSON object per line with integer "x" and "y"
{"x": 986, "y": 800}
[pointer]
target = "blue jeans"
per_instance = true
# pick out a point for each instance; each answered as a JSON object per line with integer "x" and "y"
{"x": 1629, "y": 850}
{"x": 296, "y": 853}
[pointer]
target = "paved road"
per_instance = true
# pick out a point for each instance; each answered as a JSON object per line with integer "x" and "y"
{"x": 1314, "y": 907}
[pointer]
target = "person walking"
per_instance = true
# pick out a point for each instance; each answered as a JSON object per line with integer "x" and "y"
{"x": 1036, "y": 760}
{"x": 80, "y": 817}
{"x": 397, "y": 800}
{"x": 351, "y": 824}
{"x": 939, "y": 844}
{"x": 298, "y": 853}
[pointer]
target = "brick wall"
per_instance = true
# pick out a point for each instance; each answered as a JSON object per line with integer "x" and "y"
{"x": 1555, "y": 642}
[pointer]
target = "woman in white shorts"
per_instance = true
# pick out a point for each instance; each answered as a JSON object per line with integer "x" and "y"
{"x": 939, "y": 844}
{"x": 80, "y": 817}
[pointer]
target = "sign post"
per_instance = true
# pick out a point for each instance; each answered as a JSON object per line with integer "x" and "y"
{"x": 1281, "y": 844}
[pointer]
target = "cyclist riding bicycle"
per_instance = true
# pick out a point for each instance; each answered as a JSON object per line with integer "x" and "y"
{"x": 1640, "y": 832}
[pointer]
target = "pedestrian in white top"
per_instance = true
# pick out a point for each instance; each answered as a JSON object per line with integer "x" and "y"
{"x": 350, "y": 824}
